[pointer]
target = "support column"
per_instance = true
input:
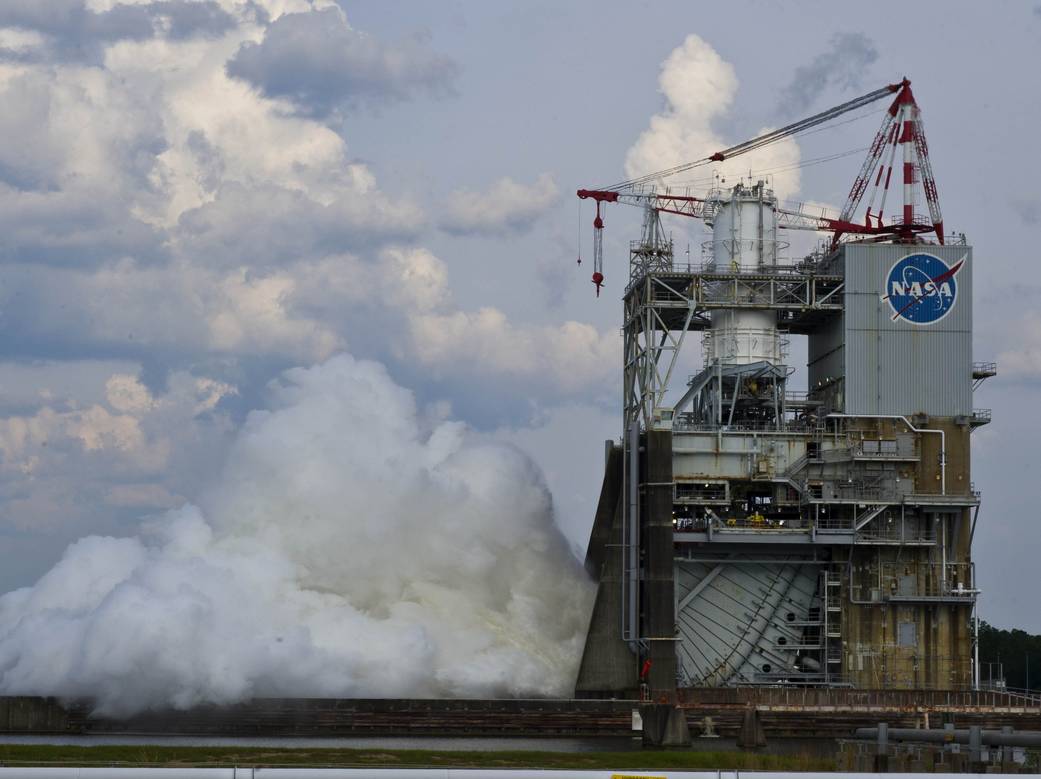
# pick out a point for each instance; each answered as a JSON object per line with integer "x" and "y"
{"x": 658, "y": 602}
{"x": 608, "y": 668}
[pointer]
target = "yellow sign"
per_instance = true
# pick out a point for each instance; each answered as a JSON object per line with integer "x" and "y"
{"x": 636, "y": 776}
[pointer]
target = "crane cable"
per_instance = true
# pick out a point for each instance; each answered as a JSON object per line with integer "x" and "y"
{"x": 807, "y": 163}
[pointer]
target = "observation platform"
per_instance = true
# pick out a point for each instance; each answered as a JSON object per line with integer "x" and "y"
{"x": 781, "y": 536}
{"x": 802, "y": 296}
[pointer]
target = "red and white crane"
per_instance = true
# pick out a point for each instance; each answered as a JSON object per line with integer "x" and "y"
{"x": 901, "y": 126}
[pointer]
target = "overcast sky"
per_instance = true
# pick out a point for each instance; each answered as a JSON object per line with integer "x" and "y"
{"x": 196, "y": 195}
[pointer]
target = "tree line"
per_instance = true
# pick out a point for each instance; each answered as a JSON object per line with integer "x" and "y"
{"x": 1017, "y": 652}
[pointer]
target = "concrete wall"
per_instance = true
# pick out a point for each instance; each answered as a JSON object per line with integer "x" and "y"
{"x": 328, "y": 717}
{"x": 26, "y": 714}
{"x": 608, "y": 669}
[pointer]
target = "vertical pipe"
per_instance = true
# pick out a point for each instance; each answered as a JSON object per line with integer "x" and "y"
{"x": 623, "y": 546}
{"x": 633, "y": 541}
{"x": 824, "y": 639}
{"x": 759, "y": 228}
{"x": 943, "y": 555}
{"x": 976, "y": 646}
{"x": 777, "y": 409}
{"x": 719, "y": 390}
{"x": 650, "y": 359}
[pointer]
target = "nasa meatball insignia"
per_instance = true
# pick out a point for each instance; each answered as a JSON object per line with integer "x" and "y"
{"x": 922, "y": 288}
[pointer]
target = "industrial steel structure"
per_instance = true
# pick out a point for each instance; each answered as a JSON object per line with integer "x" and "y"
{"x": 750, "y": 532}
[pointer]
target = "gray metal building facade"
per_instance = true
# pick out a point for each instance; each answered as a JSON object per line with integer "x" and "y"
{"x": 875, "y": 364}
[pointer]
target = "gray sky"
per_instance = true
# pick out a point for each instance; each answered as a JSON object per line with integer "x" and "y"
{"x": 196, "y": 196}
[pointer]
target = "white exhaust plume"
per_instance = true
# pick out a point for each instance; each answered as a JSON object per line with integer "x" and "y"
{"x": 348, "y": 549}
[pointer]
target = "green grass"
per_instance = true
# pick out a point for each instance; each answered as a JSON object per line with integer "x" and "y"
{"x": 114, "y": 755}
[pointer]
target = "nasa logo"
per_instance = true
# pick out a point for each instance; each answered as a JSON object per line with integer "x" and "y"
{"x": 921, "y": 288}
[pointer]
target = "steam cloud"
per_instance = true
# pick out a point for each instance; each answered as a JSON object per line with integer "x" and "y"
{"x": 350, "y": 548}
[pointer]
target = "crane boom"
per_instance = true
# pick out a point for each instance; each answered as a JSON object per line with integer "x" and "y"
{"x": 901, "y": 126}
{"x": 700, "y": 208}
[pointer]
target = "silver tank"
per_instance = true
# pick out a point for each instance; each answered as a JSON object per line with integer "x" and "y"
{"x": 744, "y": 240}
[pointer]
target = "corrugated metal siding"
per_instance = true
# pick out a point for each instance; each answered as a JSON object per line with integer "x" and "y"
{"x": 825, "y": 358}
{"x": 894, "y": 367}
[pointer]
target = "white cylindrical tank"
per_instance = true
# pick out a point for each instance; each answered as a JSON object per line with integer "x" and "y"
{"x": 744, "y": 240}
{"x": 744, "y": 228}
{"x": 741, "y": 337}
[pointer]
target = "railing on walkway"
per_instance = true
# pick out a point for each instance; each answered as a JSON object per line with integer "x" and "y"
{"x": 791, "y": 695}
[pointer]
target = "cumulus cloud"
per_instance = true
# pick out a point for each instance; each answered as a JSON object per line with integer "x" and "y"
{"x": 569, "y": 357}
{"x": 72, "y": 229}
{"x": 36, "y": 162}
{"x": 179, "y": 310}
{"x": 156, "y": 182}
{"x": 507, "y": 206}
{"x": 842, "y": 66}
{"x": 187, "y": 218}
{"x": 405, "y": 295}
{"x": 396, "y": 304}
{"x": 347, "y": 550}
{"x": 25, "y": 385}
{"x": 65, "y": 184}
{"x": 227, "y": 229}
{"x": 319, "y": 63}
{"x": 699, "y": 87}
{"x": 71, "y": 31}
{"x": 85, "y": 436}
{"x": 112, "y": 158}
